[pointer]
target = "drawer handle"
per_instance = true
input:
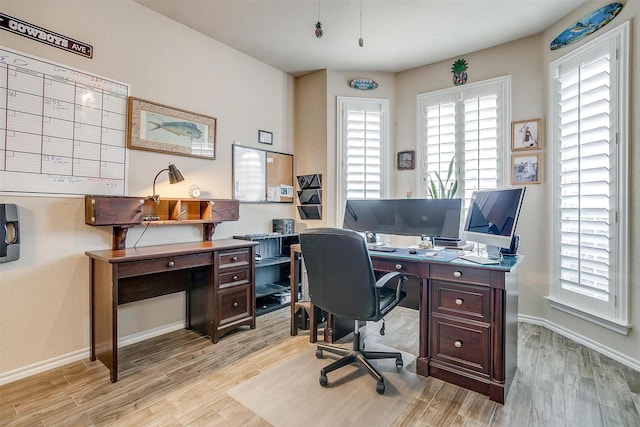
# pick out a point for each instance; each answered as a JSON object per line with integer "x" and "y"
{"x": 398, "y": 266}
{"x": 234, "y": 259}
{"x": 235, "y": 305}
{"x": 458, "y": 344}
{"x": 459, "y": 301}
{"x": 171, "y": 264}
{"x": 457, "y": 274}
{"x": 234, "y": 278}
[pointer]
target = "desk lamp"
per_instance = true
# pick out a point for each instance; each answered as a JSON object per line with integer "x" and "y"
{"x": 174, "y": 177}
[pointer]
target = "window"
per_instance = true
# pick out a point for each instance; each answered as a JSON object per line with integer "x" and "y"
{"x": 469, "y": 122}
{"x": 363, "y": 140}
{"x": 588, "y": 163}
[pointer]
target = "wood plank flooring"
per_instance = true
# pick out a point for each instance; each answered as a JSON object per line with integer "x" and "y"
{"x": 181, "y": 379}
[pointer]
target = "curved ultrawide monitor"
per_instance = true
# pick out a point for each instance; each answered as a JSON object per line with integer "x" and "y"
{"x": 493, "y": 215}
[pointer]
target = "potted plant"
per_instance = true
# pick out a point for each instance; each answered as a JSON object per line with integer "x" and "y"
{"x": 459, "y": 70}
{"x": 439, "y": 189}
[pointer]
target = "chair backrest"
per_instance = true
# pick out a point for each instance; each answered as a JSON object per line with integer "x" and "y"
{"x": 341, "y": 278}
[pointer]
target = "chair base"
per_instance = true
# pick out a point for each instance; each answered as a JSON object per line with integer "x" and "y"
{"x": 356, "y": 356}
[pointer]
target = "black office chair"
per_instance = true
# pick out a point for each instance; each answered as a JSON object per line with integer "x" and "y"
{"x": 342, "y": 282}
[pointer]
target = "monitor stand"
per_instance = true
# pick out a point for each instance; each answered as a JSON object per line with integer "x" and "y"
{"x": 372, "y": 239}
{"x": 493, "y": 252}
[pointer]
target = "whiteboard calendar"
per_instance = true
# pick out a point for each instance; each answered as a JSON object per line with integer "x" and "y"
{"x": 62, "y": 130}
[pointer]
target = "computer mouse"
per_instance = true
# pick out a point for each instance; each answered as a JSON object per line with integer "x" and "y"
{"x": 412, "y": 251}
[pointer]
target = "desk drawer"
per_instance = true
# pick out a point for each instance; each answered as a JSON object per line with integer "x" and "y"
{"x": 234, "y": 258}
{"x": 234, "y": 304}
{"x": 461, "y": 344}
{"x": 461, "y": 274}
{"x": 420, "y": 269}
{"x": 159, "y": 265}
{"x": 457, "y": 299}
{"x": 234, "y": 278}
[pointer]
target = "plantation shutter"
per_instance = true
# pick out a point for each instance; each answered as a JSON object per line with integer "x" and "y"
{"x": 469, "y": 124}
{"x": 480, "y": 145}
{"x": 585, "y": 175}
{"x": 363, "y": 154}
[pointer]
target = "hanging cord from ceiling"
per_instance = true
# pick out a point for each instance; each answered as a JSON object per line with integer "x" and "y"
{"x": 319, "y": 31}
{"x": 361, "y": 40}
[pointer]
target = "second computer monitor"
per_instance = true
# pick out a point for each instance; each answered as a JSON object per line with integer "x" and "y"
{"x": 409, "y": 217}
{"x": 429, "y": 217}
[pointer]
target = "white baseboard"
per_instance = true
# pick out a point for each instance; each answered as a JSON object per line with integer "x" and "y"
{"x": 587, "y": 342}
{"x": 65, "y": 359}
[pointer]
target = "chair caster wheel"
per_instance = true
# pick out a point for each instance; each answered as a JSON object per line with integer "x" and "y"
{"x": 399, "y": 363}
{"x": 380, "y": 388}
{"x": 323, "y": 380}
{"x": 319, "y": 354}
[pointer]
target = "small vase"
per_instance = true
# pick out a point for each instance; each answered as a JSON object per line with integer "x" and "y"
{"x": 460, "y": 78}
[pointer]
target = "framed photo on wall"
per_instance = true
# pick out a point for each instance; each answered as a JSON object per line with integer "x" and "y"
{"x": 406, "y": 160}
{"x": 526, "y": 135}
{"x": 265, "y": 137}
{"x": 525, "y": 168}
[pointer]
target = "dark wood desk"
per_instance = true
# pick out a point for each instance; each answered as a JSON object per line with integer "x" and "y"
{"x": 218, "y": 277}
{"x": 468, "y": 319}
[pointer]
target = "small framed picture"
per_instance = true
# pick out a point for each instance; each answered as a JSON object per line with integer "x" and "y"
{"x": 525, "y": 168}
{"x": 526, "y": 135}
{"x": 406, "y": 160}
{"x": 265, "y": 137}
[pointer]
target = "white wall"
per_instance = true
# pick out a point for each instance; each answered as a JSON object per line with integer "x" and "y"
{"x": 44, "y": 298}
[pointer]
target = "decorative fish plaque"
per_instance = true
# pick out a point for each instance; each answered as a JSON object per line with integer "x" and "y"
{"x": 587, "y": 25}
{"x": 363, "y": 84}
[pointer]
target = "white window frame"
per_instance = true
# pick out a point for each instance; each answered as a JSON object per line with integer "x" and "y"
{"x": 614, "y": 313}
{"x": 501, "y": 85}
{"x": 343, "y": 104}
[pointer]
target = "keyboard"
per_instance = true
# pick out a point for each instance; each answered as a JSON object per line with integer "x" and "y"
{"x": 479, "y": 259}
{"x": 381, "y": 248}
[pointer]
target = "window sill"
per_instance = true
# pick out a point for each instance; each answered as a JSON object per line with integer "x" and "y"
{"x": 604, "y": 321}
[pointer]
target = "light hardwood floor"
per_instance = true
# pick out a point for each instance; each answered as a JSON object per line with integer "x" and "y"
{"x": 182, "y": 379}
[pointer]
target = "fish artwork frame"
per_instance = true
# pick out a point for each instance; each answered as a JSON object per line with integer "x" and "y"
{"x": 161, "y": 128}
{"x": 587, "y": 25}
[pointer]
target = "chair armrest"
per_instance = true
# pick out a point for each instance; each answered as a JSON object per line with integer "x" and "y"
{"x": 392, "y": 276}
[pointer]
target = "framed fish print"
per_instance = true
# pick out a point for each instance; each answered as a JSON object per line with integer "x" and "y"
{"x": 164, "y": 129}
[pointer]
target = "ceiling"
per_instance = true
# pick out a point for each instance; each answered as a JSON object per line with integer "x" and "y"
{"x": 397, "y": 34}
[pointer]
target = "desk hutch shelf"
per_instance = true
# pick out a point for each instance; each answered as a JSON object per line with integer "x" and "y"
{"x": 125, "y": 212}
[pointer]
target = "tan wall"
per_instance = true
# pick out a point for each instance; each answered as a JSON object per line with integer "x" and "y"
{"x": 522, "y": 61}
{"x": 628, "y": 345}
{"x": 44, "y": 296}
{"x": 311, "y": 135}
{"x": 527, "y": 61}
{"x": 44, "y": 299}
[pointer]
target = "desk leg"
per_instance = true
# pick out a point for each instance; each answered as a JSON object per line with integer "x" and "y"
{"x": 294, "y": 279}
{"x": 92, "y": 312}
{"x": 422, "y": 362}
{"x": 104, "y": 342}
